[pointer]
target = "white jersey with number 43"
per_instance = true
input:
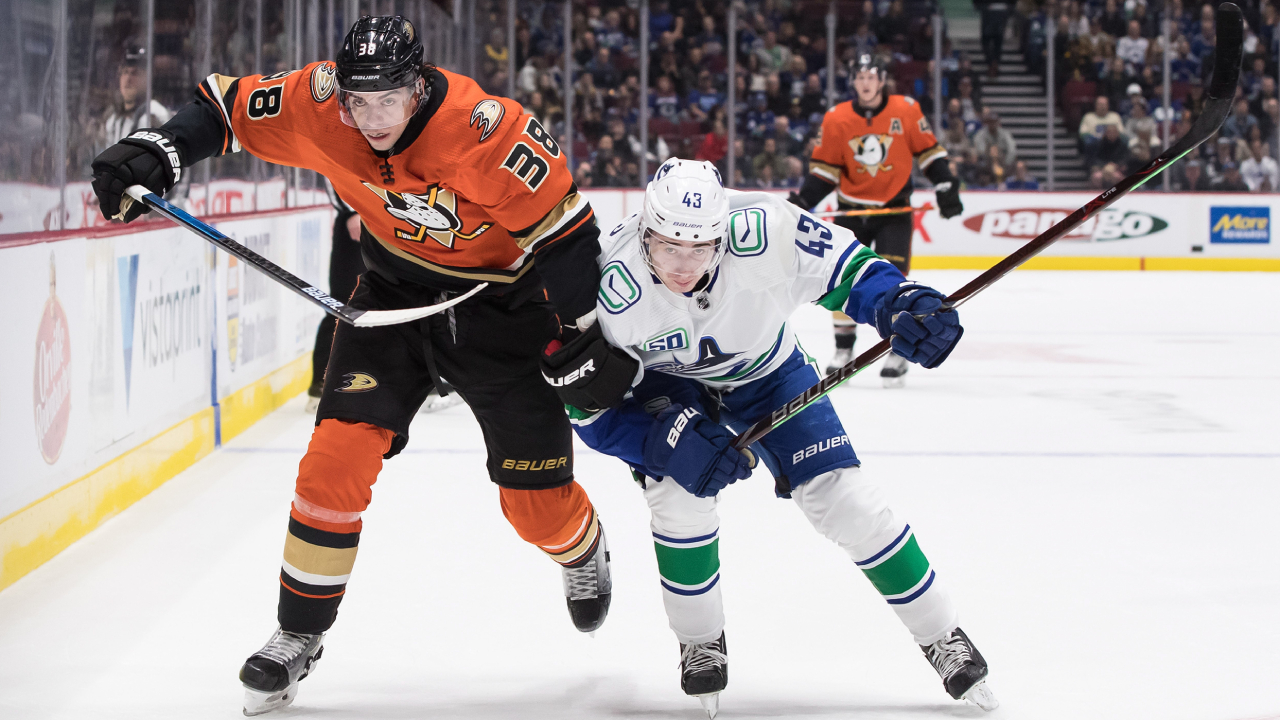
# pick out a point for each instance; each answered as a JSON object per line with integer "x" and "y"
{"x": 735, "y": 330}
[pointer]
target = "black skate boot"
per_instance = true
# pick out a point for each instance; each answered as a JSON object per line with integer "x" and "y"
{"x": 272, "y": 674}
{"x": 893, "y": 374}
{"x": 962, "y": 669}
{"x": 588, "y": 588}
{"x": 704, "y": 672}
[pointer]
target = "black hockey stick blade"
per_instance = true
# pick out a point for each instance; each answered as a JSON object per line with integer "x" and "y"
{"x": 1226, "y": 75}
{"x": 336, "y": 308}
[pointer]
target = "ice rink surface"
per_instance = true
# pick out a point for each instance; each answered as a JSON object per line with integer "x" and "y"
{"x": 1095, "y": 472}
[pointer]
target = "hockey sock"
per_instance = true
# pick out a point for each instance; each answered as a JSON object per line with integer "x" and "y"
{"x": 560, "y": 521}
{"x": 845, "y": 330}
{"x": 335, "y": 480}
{"x": 686, "y": 540}
{"x": 850, "y": 510}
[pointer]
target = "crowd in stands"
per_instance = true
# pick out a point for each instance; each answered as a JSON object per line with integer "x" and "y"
{"x": 1109, "y": 72}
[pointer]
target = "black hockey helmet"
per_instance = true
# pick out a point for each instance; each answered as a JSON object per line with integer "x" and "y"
{"x": 380, "y": 54}
{"x": 869, "y": 62}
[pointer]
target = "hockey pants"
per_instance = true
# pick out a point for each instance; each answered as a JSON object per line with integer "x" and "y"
{"x": 335, "y": 486}
{"x": 843, "y": 506}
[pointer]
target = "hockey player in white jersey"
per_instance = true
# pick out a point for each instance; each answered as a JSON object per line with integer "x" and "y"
{"x": 697, "y": 290}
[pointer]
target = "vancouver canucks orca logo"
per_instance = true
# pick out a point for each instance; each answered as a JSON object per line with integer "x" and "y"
{"x": 710, "y": 356}
{"x": 487, "y": 115}
{"x": 433, "y": 215}
{"x": 871, "y": 151}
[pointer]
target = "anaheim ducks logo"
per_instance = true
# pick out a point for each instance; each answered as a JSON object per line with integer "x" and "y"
{"x": 434, "y": 215}
{"x": 487, "y": 113}
{"x": 322, "y": 82}
{"x": 871, "y": 151}
{"x": 358, "y": 382}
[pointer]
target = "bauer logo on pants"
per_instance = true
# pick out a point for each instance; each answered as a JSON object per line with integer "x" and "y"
{"x": 358, "y": 382}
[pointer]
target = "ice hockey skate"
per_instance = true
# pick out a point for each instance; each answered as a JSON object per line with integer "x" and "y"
{"x": 704, "y": 672}
{"x": 272, "y": 674}
{"x": 962, "y": 669}
{"x": 436, "y": 403}
{"x": 588, "y": 588}
{"x": 842, "y": 357}
{"x": 893, "y": 374}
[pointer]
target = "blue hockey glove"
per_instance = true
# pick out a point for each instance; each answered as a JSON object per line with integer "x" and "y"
{"x": 924, "y": 331}
{"x": 696, "y": 452}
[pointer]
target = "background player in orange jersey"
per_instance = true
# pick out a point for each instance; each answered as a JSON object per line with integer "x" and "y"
{"x": 453, "y": 188}
{"x": 864, "y": 154}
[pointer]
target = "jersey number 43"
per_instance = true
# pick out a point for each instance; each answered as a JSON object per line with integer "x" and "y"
{"x": 815, "y": 235}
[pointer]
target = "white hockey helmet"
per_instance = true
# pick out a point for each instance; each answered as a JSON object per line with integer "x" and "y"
{"x": 686, "y": 201}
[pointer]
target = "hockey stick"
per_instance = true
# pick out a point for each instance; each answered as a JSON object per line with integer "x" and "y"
{"x": 336, "y": 308}
{"x": 1222, "y": 90}
{"x": 876, "y": 211}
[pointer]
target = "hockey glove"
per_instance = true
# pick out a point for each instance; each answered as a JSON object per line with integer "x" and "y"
{"x": 948, "y": 194}
{"x": 694, "y": 451}
{"x": 147, "y": 158}
{"x": 924, "y": 329}
{"x": 587, "y": 372}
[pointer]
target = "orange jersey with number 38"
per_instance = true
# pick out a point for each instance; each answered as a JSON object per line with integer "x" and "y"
{"x": 478, "y": 186}
{"x": 869, "y": 158}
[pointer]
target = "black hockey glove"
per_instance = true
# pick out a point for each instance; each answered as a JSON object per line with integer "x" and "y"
{"x": 588, "y": 373}
{"x": 146, "y": 158}
{"x": 948, "y": 194}
{"x": 924, "y": 330}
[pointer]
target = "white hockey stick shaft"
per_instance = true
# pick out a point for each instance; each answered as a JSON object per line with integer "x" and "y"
{"x": 340, "y": 310}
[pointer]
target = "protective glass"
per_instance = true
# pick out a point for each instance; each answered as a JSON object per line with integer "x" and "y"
{"x": 379, "y": 110}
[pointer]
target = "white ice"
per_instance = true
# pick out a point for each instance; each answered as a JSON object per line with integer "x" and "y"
{"x": 1095, "y": 473}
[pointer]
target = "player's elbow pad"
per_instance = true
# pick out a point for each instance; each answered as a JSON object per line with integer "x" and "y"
{"x": 589, "y": 373}
{"x": 939, "y": 172}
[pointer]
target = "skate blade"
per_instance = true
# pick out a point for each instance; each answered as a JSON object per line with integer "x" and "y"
{"x": 436, "y": 404}
{"x": 894, "y": 382}
{"x": 710, "y": 703}
{"x": 257, "y": 703}
{"x": 981, "y": 696}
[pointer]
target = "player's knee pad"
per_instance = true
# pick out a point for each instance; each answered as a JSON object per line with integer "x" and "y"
{"x": 678, "y": 513}
{"x": 560, "y": 521}
{"x": 848, "y": 509}
{"x": 336, "y": 476}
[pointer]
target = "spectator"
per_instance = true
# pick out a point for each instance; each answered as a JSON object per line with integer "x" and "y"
{"x": 969, "y": 106}
{"x": 995, "y": 16}
{"x": 1139, "y": 155}
{"x": 1260, "y": 172}
{"x": 1093, "y": 127}
{"x": 895, "y": 25}
{"x": 778, "y": 99}
{"x": 1139, "y": 121}
{"x": 711, "y": 42}
{"x": 1112, "y": 19}
{"x": 773, "y": 57}
{"x": 603, "y": 71}
{"x": 765, "y": 177}
{"x": 786, "y": 141}
{"x": 705, "y": 99}
{"x": 862, "y": 42}
{"x": 1133, "y": 97}
{"x": 1193, "y": 178}
{"x": 1132, "y": 48}
{"x": 1240, "y": 122}
{"x": 956, "y": 141}
{"x": 994, "y": 165}
{"x": 1112, "y": 148}
{"x": 1114, "y": 84}
{"x": 814, "y": 99}
{"x": 1021, "y": 179}
{"x": 769, "y": 158}
{"x": 1230, "y": 180}
{"x": 992, "y": 135}
{"x": 1184, "y": 66}
{"x": 664, "y": 102}
{"x": 759, "y": 119}
{"x": 795, "y": 173}
{"x": 715, "y": 144}
{"x": 1266, "y": 90}
{"x": 1270, "y": 117}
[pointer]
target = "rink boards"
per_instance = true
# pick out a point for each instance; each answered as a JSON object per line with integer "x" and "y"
{"x": 128, "y": 356}
{"x": 144, "y": 349}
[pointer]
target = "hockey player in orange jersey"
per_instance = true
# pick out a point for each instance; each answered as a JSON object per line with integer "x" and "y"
{"x": 864, "y": 154}
{"x": 453, "y": 188}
